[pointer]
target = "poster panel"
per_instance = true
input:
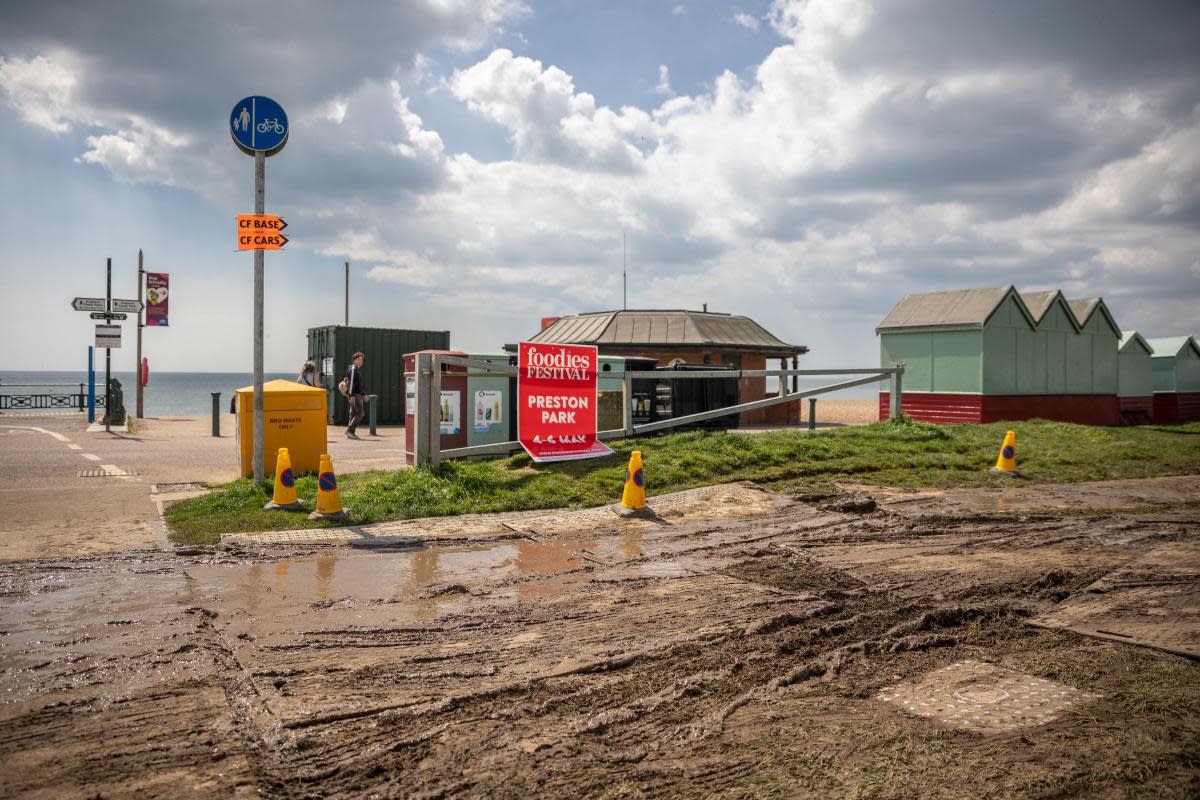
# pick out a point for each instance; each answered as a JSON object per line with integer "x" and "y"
{"x": 556, "y": 401}
{"x": 156, "y": 298}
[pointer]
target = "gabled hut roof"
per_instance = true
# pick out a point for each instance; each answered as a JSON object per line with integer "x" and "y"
{"x": 666, "y": 330}
{"x": 1085, "y": 308}
{"x": 1040, "y": 303}
{"x": 959, "y": 308}
{"x": 1131, "y": 339}
{"x": 1172, "y": 346}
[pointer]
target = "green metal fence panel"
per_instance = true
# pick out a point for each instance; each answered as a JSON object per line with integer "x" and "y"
{"x": 383, "y": 352}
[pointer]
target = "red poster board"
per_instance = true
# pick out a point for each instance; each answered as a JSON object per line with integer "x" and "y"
{"x": 156, "y": 298}
{"x": 556, "y": 402}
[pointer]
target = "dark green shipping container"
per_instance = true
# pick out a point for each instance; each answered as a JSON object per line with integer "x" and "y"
{"x": 383, "y": 352}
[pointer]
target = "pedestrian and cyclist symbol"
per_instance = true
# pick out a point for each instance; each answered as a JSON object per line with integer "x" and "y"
{"x": 258, "y": 125}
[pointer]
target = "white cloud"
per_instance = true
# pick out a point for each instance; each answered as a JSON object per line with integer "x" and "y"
{"x": 747, "y": 21}
{"x": 664, "y": 80}
{"x": 679, "y": 9}
{"x": 41, "y": 90}
{"x": 546, "y": 118}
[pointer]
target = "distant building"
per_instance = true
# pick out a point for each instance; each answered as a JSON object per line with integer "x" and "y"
{"x": 1176, "y": 376}
{"x": 693, "y": 337}
{"x": 982, "y": 355}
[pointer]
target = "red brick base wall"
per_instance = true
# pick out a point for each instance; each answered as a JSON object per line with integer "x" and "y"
{"x": 1136, "y": 410}
{"x": 1084, "y": 409}
{"x": 1173, "y": 407}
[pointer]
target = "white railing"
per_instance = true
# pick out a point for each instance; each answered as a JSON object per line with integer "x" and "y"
{"x": 427, "y": 436}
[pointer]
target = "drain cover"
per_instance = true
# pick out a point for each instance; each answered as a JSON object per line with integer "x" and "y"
{"x": 105, "y": 471}
{"x": 983, "y": 697}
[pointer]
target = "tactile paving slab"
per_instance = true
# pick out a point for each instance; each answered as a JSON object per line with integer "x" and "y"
{"x": 971, "y": 695}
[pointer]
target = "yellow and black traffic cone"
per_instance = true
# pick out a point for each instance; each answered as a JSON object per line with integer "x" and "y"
{"x": 633, "y": 498}
{"x": 1006, "y": 463}
{"x": 329, "y": 500}
{"x": 284, "y": 498}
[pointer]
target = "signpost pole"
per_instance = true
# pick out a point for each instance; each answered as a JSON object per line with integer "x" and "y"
{"x": 346, "y": 294}
{"x": 260, "y": 188}
{"x": 138, "y": 367}
{"x": 91, "y": 385}
{"x": 108, "y": 359}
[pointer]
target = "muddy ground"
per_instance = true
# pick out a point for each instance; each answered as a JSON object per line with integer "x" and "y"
{"x": 799, "y": 652}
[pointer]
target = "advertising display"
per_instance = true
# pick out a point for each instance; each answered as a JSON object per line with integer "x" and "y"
{"x": 451, "y": 422}
{"x": 556, "y": 402}
{"x": 488, "y": 409}
{"x": 156, "y": 298}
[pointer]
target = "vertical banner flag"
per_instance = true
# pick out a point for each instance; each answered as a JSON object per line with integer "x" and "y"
{"x": 556, "y": 401}
{"x": 156, "y": 298}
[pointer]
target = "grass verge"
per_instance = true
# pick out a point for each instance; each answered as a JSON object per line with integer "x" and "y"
{"x": 902, "y": 453}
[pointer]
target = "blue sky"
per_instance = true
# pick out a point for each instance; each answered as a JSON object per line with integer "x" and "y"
{"x": 802, "y": 162}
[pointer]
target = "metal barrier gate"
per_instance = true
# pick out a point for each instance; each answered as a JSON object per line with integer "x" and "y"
{"x": 427, "y": 436}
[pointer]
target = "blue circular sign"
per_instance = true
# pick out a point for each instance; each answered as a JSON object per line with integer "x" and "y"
{"x": 258, "y": 125}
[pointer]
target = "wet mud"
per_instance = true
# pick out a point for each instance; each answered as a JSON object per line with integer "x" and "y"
{"x": 744, "y": 657}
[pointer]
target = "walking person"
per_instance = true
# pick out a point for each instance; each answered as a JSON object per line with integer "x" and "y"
{"x": 308, "y": 374}
{"x": 356, "y": 394}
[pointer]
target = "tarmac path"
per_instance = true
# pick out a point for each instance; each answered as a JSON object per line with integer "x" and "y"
{"x": 68, "y": 488}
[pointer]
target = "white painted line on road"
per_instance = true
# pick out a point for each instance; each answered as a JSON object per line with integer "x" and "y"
{"x": 90, "y": 457}
{"x": 58, "y": 436}
{"x": 74, "y": 447}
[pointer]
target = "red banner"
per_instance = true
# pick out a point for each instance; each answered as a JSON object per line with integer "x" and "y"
{"x": 556, "y": 402}
{"x": 156, "y": 298}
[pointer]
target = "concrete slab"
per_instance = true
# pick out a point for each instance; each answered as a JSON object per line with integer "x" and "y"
{"x": 1152, "y": 602}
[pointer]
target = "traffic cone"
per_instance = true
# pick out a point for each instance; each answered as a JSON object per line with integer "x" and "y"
{"x": 1006, "y": 463}
{"x": 633, "y": 498}
{"x": 284, "y": 498}
{"x": 329, "y": 500}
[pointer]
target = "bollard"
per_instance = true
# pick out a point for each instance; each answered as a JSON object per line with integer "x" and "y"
{"x": 371, "y": 398}
{"x": 81, "y": 398}
{"x": 812, "y": 413}
{"x": 216, "y": 412}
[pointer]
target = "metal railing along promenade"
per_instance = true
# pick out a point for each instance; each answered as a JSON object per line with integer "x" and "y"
{"x": 429, "y": 368}
{"x": 47, "y": 400}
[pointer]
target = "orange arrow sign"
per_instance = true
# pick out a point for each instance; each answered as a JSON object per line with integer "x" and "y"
{"x": 260, "y": 232}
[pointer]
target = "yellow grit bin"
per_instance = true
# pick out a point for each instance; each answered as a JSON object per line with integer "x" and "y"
{"x": 293, "y": 417}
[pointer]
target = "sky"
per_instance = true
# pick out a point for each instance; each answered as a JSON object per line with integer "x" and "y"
{"x": 803, "y": 162}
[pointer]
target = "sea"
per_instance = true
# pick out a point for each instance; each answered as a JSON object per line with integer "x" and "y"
{"x": 189, "y": 394}
{"x": 168, "y": 394}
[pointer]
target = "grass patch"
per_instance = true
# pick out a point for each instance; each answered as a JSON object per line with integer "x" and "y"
{"x": 901, "y": 453}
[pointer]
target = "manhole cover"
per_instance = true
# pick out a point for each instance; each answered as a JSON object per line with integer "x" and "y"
{"x": 983, "y": 697}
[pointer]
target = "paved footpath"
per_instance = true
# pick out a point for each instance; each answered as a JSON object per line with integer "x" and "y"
{"x": 70, "y": 490}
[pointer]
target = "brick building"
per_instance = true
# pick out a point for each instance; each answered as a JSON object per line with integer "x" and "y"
{"x": 692, "y": 337}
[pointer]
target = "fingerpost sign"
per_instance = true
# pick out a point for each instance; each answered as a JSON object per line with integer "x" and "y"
{"x": 556, "y": 400}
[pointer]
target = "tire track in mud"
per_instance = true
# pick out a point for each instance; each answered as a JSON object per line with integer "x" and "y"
{"x": 635, "y": 673}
